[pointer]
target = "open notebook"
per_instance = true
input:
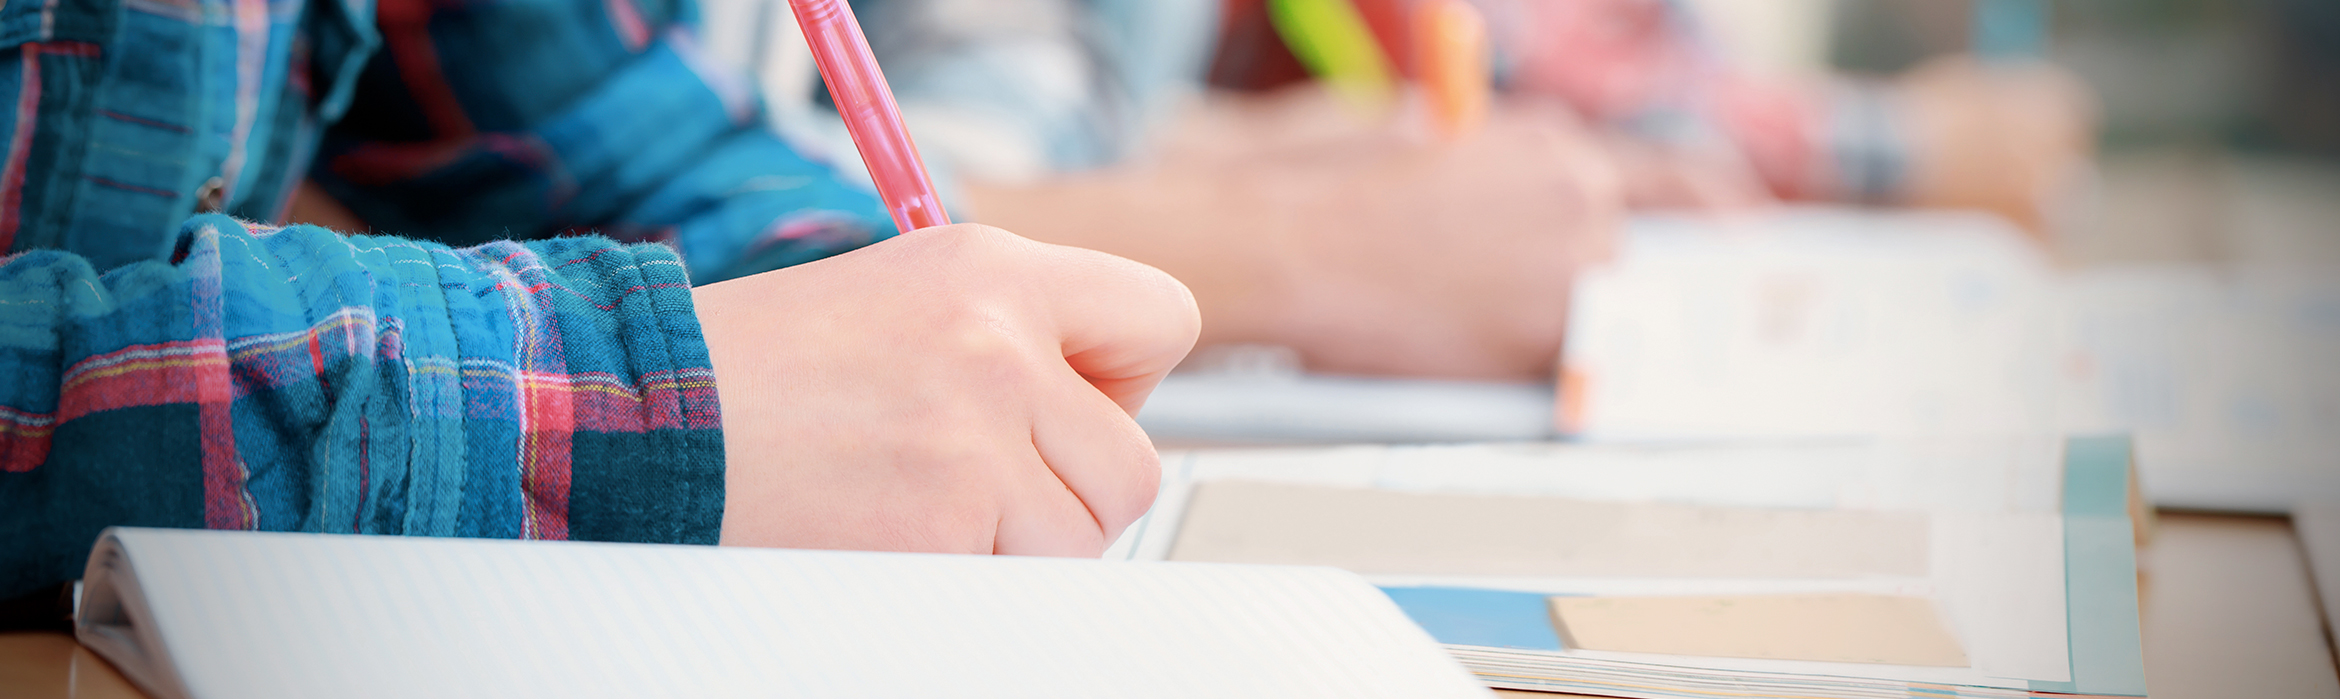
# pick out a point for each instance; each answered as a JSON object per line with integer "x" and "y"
{"x": 1940, "y": 569}
{"x": 260, "y": 616}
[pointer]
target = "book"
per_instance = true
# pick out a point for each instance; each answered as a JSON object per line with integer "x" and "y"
{"x": 201, "y": 615}
{"x": 1968, "y": 567}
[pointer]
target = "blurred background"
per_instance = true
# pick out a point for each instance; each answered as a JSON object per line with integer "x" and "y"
{"x": 2220, "y": 132}
{"x": 1674, "y": 219}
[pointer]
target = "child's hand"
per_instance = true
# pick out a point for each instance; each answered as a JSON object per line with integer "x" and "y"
{"x": 1366, "y": 248}
{"x": 2015, "y": 140}
{"x": 1436, "y": 259}
{"x": 957, "y": 389}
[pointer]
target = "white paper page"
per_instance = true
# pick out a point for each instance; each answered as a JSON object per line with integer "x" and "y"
{"x": 1999, "y": 584}
{"x": 1812, "y": 322}
{"x": 261, "y": 616}
{"x": 1290, "y": 407}
{"x": 1380, "y": 531}
{"x": 1996, "y": 542}
{"x": 2002, "y": 582}
{"x": 2226, "y": 377}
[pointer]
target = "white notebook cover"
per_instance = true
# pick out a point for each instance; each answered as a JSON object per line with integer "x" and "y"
{"x": 216, "y": 614}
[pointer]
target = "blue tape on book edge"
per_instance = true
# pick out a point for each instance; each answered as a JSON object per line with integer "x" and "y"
{"x": 2100, "y": 571}
{"x": 1462, "y": 616}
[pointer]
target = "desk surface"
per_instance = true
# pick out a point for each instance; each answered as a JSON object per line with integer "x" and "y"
{"x": 2230, "y": 611}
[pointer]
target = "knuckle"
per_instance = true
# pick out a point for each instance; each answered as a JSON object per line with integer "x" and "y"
{"x": 987, "y": 347}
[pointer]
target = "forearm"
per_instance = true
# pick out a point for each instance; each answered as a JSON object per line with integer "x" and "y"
{"x": 296, "y": 380}
{"x": 1223, "y": 240}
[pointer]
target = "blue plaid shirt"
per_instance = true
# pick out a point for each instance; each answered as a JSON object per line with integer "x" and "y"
{"x": 214, "y": 372}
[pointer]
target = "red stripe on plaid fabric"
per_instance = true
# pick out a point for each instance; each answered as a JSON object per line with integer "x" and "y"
{"x": 142, "y": 121}
{"x": 627, "y": 20}
{"x": 344, "y": 319}
{"x": 604, "y": 402}
{"x": 317, "y": 358}
{"x": 24, "y": 439}
{"x": 389, "y": 163}
{"x": 75, "y": 49}
{"x": 127, "y": 187}
{"x": 544, "y": 454}
{"x": 540, "y": 287}
{"x": 547, "y": 405}
{"x": 392, "y": 163}
{"x": 139, "y": 376}
{"x": 131, "y": 377}
{"x": 405, "y": 26}
{"x": 226, "y": 504}
{"x": 665, "y": 401}
{"x": 149, "y": 375}
{"x": 28, "y": 111}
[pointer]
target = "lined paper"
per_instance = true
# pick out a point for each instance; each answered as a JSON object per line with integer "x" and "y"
{"x": 1379, "y": 531}
{"x": 286, "y": 615}
{"x": 1843, "y": 628}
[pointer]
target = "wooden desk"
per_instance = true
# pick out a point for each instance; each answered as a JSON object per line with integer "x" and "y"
{"x": 2230, "y": 611}
{"x": 52, "y": 666}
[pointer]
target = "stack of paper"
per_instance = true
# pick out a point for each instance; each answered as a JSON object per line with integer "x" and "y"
{"x": 199, "y": 615}
{"x": 1952, "y": 568}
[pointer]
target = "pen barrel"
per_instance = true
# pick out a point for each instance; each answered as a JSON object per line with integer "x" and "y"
{"x": 1452, "y": 56}
{"x": 867, "y": 105}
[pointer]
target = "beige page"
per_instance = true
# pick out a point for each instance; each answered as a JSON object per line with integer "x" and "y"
{"x": 1373, "y": 531}
{"x": 1842, "y": 628}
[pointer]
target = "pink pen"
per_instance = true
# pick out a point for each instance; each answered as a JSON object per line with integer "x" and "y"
{"x": 867, "y": 104}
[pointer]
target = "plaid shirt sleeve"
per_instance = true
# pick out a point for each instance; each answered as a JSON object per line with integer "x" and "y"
{"x": 537, "y": 118}
{"x": 297, "y": 380}
{"x": 1648, "y": 68}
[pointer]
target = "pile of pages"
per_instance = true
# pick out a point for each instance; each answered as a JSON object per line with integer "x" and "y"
{"x": 1899, "y": 568}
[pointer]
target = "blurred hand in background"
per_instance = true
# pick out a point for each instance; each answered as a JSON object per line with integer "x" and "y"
{"x": 1370, "y": 248}
{"x": 2014, "y": 139}
{"x": 1693, "y": 127}
{"x": 1366, "y": 248}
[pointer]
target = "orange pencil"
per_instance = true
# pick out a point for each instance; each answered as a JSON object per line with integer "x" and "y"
{"x": 1451, "y": 52}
